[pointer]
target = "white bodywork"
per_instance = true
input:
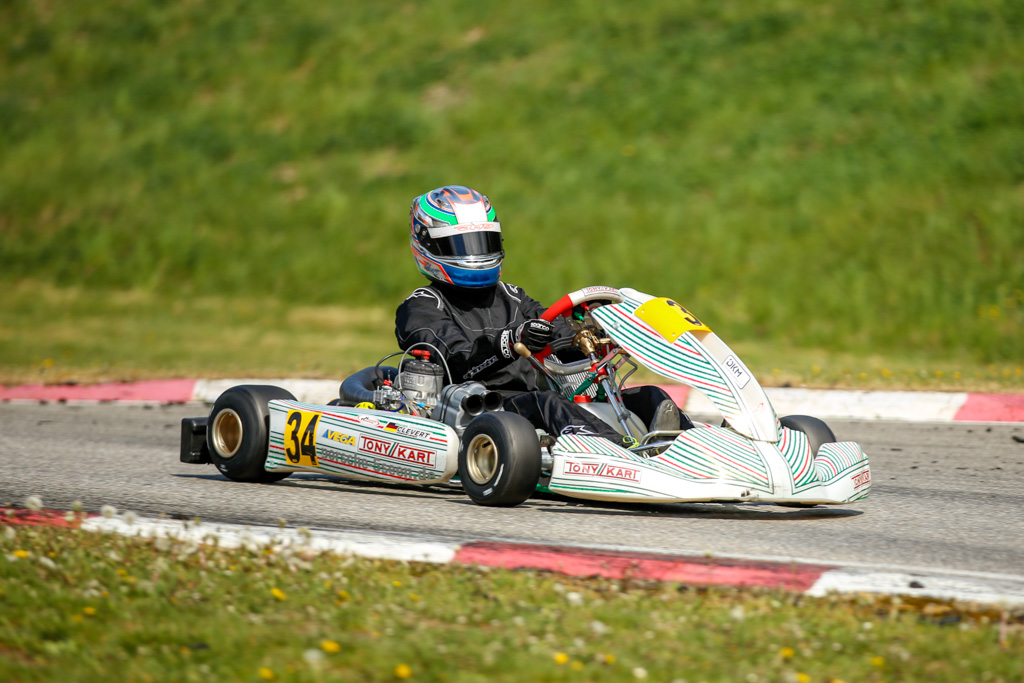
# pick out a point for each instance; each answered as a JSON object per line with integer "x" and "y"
{"x": 360, "y": 443}
{"x": 755, "y": 458}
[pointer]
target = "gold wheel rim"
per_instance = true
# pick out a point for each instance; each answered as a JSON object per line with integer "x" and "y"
{"x": 227, "y": 433}
{"x": 481, "y": 459}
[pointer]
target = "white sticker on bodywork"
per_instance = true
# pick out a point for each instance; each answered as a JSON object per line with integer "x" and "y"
{"x": 735, "y": 369}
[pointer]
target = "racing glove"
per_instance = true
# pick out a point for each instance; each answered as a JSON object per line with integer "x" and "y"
{"x": 534, "y": 334}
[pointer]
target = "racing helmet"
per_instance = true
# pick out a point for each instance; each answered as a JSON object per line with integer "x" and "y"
{"x": 456, "y": 237}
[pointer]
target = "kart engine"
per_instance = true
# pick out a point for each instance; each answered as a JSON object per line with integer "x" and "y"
{"x": 419, "y": 388}
{"x": 419, "y": 381}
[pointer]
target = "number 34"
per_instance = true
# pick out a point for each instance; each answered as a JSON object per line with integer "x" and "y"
{"x": 300, "y": 438}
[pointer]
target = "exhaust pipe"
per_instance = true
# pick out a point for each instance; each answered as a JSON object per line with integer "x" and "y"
{"x": 473, "y": 404}
{"x": 493, "y": 401}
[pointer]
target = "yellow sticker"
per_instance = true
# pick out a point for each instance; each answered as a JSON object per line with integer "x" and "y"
{"x": 669, "y": 319}
{"x": 300, "y": 438}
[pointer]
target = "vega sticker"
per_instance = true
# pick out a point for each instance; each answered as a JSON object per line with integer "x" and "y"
{"x": 339, "y": 437}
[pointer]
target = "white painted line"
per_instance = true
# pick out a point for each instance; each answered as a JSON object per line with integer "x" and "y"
{"x": 870, "y": 405}
{"x": 319, "y": 391}
{"x": 359, "y": 543}
{"x": 968, "y": 586}
{"x": 917, "y": 406}
{"x": 918, "y": 585}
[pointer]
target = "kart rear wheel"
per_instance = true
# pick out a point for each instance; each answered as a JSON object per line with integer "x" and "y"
{"x": 499, "y": 459}
{"x": 817, "y": 431}
{"x": 238, "y": 431}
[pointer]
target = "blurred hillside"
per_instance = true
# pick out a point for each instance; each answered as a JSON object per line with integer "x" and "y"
{"x": 844, "y": 174}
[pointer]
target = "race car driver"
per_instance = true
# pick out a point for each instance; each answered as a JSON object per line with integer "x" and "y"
{"x": 475, "y": 320}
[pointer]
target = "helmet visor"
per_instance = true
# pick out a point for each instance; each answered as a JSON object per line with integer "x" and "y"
{"x": 467, "y": 240}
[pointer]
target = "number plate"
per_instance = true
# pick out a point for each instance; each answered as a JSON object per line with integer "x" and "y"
{"x": 669, "y": 319}
{"x": 300, "y": 438}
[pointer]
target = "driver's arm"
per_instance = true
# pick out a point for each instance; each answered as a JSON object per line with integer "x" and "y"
{"x": 561, "y": 344}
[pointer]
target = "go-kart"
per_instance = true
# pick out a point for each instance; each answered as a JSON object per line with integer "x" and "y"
{"x": 411, "y": 424}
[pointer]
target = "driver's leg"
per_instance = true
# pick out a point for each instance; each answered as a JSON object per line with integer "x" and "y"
{"x": 551, "y": 412}
{"x": 655, "y": 408}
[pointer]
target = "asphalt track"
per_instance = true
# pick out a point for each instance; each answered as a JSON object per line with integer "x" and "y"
{"x": 946, "y": 496}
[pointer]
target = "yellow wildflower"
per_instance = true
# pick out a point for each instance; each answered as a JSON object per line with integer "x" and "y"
{"x": 561, "y": 658}
{"x": 787, "y": 653}
{"x": 89, "y": 611}
{"x": 330, "y": 647}
{"x": 803, "y": 678}
{"x": 278, "y": 593}
{"x": 266, "y": 674}
{"x": 21, "y": 554}
{"x": 878, "y": 662}
{"x": 403, "y": 671}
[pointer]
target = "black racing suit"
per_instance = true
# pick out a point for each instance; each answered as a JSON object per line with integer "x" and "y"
{"x": 463, "y": 323}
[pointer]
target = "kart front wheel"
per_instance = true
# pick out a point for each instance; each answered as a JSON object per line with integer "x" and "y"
{"x": 238, "y": 431}
{"x": 817, "y": 431}
{"x": 499, "y": 459}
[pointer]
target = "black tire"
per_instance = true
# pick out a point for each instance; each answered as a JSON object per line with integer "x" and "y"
{"x": 238, "y": 432}
{"x": 816, "y": 430}
{"x": 817, "y": 433}
{"x": 499, "y": 459}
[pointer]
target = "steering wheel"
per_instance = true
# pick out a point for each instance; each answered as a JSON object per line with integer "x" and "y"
{"x": 565, "y": 305}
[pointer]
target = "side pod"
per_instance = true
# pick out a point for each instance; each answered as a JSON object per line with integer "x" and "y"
{"x": 193, "y": 441}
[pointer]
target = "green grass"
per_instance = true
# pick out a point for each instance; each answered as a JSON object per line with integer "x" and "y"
{"x": 67, "y": 334}
{"x": 51, "y": 335}
{"x": 844, "y": 176}
{"x": 91, "y": 607}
